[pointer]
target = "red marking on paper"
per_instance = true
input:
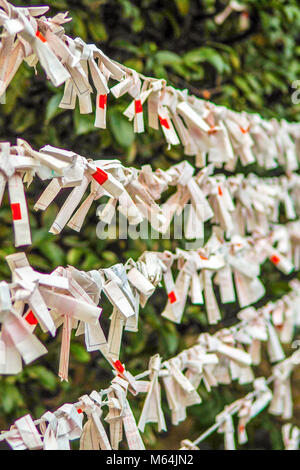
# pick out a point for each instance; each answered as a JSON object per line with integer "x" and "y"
{"x": 172, "y": 297}
{"x": 79, "y": 410}
{"x": 30, "y": 318}
{"x": 164, "y": 122}
{"x": 102, "y": 101}
{"x": 16, "y": 211}
{"x": 241, "y": 428}
{"x": 244, "y": 131}
{"x": 40, "y": 36}
{"x": 206, "y": 94}
{"x": 138, "y": 106}
{"x": 275, "y": 259}
{"x": 203, "y": 257}
{"x": 100, "y": 176}
{"x": 220, "y": 191}
{"x": 119, "y": 366}
{"x": 212, "y": 130}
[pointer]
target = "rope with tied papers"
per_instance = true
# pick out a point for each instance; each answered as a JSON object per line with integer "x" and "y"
{"x": 211, "y": 133}
{"x": 244, "y": 210}
{"x": 70, "y": 297}
{"x": 238, "y": 204}
{"x": 66, "y": 423}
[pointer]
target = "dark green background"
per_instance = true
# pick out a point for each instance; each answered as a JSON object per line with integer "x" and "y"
{"x": 250, "y": 70}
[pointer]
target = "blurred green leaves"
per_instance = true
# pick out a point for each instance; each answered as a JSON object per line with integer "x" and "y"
{"x": 183, "y": 6}
{"x": 10, "y": 398}
{"x": 205, "y": 54}
{"x": 79, "y": 353}
{"x": 121, "y": 129}
{"x": 44, "y": 376}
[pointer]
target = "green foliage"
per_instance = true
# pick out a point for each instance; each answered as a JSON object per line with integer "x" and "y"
{"x": 250, "y": 70}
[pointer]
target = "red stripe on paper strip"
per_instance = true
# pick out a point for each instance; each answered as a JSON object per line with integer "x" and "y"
{"x": 212, "y": 130}
{"x": 16, "y": 211}
{"x": 138, "y": 106}
{"x": 40, "y": 36}
{"x": 244, "y": 131}
{"x": 119, "y": 366}
{"x": 30, "y": 318}
{"x": 206, "y": 94}
{"x": 172, "y": 297}
{"x": 102, "y": 101}
{"x": 100, "y": 176}
{"x": 220, "y": 191}
{"x": 164, "y": 122}
{"x": 203, "y": 257}
{"x": 275, "y": 259}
